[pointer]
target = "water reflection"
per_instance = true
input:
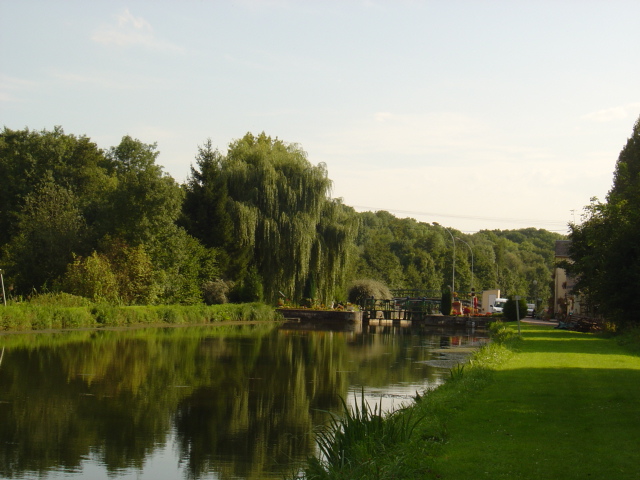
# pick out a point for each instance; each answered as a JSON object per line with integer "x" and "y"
{"x": 214, "y": 402}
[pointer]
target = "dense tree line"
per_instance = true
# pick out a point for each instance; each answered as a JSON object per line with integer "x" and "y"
{"x": 255, "y": 223}
{"x": 605, "y": 248}
{"x": 405, "y": 253}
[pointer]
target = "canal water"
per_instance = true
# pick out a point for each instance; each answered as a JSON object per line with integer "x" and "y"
{"x": 215, "y": 402}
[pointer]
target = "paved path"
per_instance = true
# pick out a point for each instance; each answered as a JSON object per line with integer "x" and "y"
{"x": 534, "y": 321}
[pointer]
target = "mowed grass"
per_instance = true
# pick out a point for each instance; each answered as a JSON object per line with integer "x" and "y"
{"x": 565, "y": 406}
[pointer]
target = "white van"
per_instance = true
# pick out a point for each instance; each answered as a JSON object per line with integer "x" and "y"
{"x": 498, "y": 305}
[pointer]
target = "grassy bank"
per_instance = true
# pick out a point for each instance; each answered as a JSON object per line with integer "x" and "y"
{"x": 55, "y": 312}
{"x": 554, "y": 404}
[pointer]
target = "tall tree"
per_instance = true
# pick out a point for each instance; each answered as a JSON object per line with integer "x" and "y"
{"x": 605, "y": 248}
{"x": 206, "y": 212}
{"x": 50, "y": 229}
{"x": 281, "y": 212}
{"x": 27, "y": 157}
{"x": 143, "y": 202}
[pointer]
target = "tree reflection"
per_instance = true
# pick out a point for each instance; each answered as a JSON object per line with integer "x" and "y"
{"x": 240, "y": 402}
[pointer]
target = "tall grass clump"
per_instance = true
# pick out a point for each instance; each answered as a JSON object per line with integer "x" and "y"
{"x": 57, "y": 299}
{"x": 349, "y": 443}
{"x": 59, "y": 311}
{"x": 364, "y": 444}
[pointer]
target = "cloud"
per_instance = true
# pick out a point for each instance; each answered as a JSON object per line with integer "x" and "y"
{"x": 495, "y": 195}
{"x": 96, "y": 80}
{"x": 613, "y": 113}
{"x": 111, "y": 80}
{"x": 13, "y": 84}
{"x": 419, "y": 135}
{"x": 132, "y": 31}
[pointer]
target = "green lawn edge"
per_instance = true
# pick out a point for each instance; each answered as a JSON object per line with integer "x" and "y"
{"x": 565, "y": 405}
{"x": 548, "y": 404}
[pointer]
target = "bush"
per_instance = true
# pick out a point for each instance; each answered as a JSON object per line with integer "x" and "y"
{"x": 215, "y": 292}
{"x": 360, "y": 290}
{"x": 509, "y": 311}
{"x": 91, "y": 277}
{"x": 445, "y": 302}
{"x": 59, "y": 300}
{"x": 249, "y": 289}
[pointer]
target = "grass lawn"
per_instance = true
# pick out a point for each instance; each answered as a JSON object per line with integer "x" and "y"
{"x": 565, "y": 406}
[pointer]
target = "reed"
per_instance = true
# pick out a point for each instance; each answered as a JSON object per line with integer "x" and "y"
{"x": 350, "y": 442}
{"x": 46, "y": 313}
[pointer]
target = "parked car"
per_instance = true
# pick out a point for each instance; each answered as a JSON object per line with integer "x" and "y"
{"x": 531, "y": 309}
{"x": 497, "y": 306}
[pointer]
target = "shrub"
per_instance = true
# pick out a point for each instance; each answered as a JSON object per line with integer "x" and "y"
{"x": 445, "y": 302}
{"x": 249, "y": 289}
{"x": 91, "y": 277}
{"x": 509, "y": 310}
{"x": 215, "y": 292}
{"x": 360, "y": 290}
{"x": 59, "y": 300}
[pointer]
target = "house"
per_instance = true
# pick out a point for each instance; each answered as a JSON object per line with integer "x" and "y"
{"x": 565, "y": 302}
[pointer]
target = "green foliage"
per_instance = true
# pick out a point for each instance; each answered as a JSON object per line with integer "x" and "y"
{"x": 605, "y": 248}
{"x": 260, "y": 216}
{"x": 67, "y": 311}
{"x": 249, "y": 288}
{"x": 122, "y": 274}
{"x": 405, "y": 253}
{"x": 207, "y": 209}
{"x": 29, "y": 158}
{"x": 92, "y": 278}
{"x": 273, "y": 211}
{"x": 216, "y": 291}
{"x": 62, "y": 199}
{"x": 446, "y": 302}
{"x": 513, "y": 308}
{"x": 349, "y": 442}
{"x": 182, "y": 265}
{"x": 50, "y": 228}
{"x": 361, "y": 290}
{"x": 59, "y": 299}
{"x": 144, "y": 202}
{"x": 500, "y": 332}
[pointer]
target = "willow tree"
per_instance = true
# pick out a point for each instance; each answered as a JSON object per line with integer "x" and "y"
{"x": 281, "y": 210}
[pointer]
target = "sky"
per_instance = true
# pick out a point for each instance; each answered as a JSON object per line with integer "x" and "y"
{"x": 474, "y": 114}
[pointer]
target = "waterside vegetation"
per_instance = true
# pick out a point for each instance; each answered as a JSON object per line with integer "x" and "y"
{"x": 254, "y": 223}
{"x": 563, "y": 406}
{"x": 63, "y": 311}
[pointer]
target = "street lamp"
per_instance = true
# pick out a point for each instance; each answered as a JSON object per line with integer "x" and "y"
{"x": 453, "y": 275}
{"x": 458, "y": 238}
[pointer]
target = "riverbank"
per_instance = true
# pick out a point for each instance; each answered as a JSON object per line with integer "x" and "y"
{"x": 552, "y": 404}
{"x": 55, "y": 315}
{"x": 565, "y": 406}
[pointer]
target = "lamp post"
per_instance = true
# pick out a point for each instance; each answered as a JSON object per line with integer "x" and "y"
{"x": 453, "y": 275}
{"x": 469, "y": 247}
